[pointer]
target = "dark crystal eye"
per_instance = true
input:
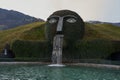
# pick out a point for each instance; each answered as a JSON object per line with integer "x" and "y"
{"x": 52, "y": 20}
{"x": 71, "y": 20}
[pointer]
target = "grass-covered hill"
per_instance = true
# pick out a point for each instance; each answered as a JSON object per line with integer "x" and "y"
{"x": 103, "y": 31}
{"x": 29, "y": 41}
{"x": 34, "y": 31}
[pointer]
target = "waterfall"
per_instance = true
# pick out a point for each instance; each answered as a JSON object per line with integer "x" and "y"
{"x": 5, "y": 52}
{"x": 58, "y": 44}
{"x": 57, "y": 49}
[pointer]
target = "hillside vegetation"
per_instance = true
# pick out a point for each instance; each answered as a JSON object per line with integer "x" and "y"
{"x": 34, "y": 31}
{"x": 102, "y": 31}
{"x": 29, "y": 41}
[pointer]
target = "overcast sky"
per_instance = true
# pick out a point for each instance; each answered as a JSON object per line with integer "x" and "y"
{"x": 102, "y": 10}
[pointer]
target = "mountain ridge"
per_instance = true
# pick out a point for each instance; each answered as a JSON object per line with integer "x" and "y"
{"x": 11, "y": 18}
{"x": 101, "y": 22}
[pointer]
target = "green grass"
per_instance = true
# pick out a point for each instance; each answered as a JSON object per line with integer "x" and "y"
{"x": 33, "y": 31}
{"x": 102, "y": 31}
{"x": 95, "y": 44}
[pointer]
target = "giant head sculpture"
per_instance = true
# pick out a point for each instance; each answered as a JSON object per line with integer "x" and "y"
{"x": 67, "y": 23}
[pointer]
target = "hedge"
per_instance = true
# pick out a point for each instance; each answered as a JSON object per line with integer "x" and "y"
{"x": 31, "y": 49}
{"x": 94, "y": 49}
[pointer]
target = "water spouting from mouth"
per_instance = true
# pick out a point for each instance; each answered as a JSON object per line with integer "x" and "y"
{"x": 57, "y": 50}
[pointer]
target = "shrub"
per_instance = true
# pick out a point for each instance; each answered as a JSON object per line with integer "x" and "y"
{"x": 95, "y": 49}
{"x": 31, "y": 49}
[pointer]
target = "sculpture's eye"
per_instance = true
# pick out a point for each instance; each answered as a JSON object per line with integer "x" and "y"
{"x": 52, "y": 20}
{"x": 71, "y": 20}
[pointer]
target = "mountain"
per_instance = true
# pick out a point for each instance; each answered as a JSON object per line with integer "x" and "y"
{"x": 100, "y": 22}
{"x": 116, "y": 24}
{"x": 10, "y": 19}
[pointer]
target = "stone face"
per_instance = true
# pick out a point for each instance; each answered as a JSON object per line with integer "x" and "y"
{"x": 72, "y": 27}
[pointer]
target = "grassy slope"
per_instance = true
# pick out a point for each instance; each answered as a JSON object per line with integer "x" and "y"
{"x": 8, "y": 36}
{"x": 36, "y": 32}
{"x": 103, "y": 31}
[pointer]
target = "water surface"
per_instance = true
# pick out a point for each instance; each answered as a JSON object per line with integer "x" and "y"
{"x": 43, "y": 72}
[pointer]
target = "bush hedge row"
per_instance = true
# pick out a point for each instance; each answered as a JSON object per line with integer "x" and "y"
{"x": 31, "y": 49}
{"x": 94, "y": 49}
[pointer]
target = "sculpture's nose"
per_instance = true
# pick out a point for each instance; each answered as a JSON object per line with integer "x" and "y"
{"x": 59, "y": 26}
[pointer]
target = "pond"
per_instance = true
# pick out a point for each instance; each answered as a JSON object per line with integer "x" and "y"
{"x": 44, "y": 72}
